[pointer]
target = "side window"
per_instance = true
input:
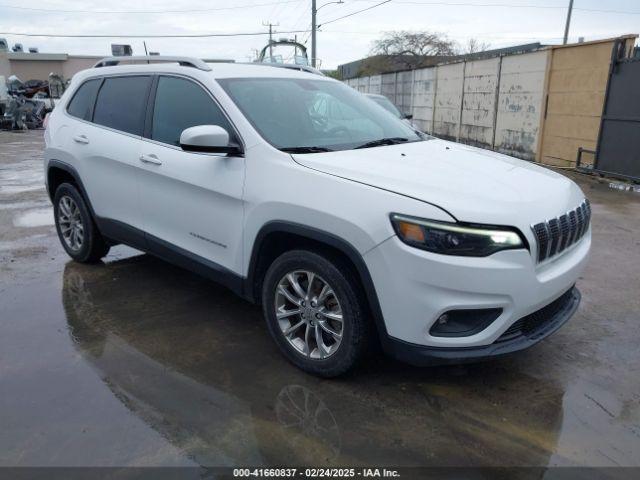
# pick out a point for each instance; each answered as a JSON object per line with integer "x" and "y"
{"x": 121, "y": 103}
{"x": 82, "y": 102}
{"x": 181, "y": 104}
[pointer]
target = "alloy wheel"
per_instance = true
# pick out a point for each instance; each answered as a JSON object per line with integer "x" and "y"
{"x": 70, "y": 222}
{"x": 309, "y": 314}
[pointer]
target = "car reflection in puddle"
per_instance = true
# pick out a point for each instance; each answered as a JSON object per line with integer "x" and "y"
{"x": 197, "y": 365}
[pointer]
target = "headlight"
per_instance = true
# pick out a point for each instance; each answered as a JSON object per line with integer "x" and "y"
{"x": 454, "y": 238}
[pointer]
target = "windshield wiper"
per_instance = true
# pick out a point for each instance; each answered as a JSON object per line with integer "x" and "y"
{"x": 383, "y": 141}
{"x": 306, "y": 149}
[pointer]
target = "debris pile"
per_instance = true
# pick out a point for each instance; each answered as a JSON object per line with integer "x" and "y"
{"x": 24, "y": 105}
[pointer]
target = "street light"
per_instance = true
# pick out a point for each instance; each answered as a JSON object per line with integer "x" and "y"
{"x": 314, "y": 11}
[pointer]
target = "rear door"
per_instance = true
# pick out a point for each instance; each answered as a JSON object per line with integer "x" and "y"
{"x": 110, "y": 149}
{"x": 191, "y": 202}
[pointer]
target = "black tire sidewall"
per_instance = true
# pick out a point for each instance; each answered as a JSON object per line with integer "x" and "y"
{"x": 86, "y": 253}
{"x": 354, "y": 327}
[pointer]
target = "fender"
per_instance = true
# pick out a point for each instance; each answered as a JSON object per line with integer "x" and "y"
{"x": 76, "y": 177}
{"x": 331, "y": 240}
{"x": 112, "y": 230}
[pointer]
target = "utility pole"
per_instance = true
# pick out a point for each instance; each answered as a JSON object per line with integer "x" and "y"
{"x": 270, "y": 25}
{"x": 314, "y": 11}
{"x": 566, "y": 27}
{"x": 314, "y": 27}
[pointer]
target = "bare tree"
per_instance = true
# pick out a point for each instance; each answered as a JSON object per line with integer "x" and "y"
{"x": 474, "y": 45}
{"x": 405, "y": 49}
{"x": 413, "y": 43}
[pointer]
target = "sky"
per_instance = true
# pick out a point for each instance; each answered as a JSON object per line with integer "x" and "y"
{"x": 497, "y": 22}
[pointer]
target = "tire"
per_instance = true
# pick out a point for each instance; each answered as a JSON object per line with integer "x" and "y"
{"x": 338, "y": 353}
{"x": 71, "y": 213}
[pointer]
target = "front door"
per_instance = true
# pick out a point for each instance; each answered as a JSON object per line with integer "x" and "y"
{"x": 191, "y": 202}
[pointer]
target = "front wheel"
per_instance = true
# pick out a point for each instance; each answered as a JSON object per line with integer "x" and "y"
{"x": 315, "y": 313}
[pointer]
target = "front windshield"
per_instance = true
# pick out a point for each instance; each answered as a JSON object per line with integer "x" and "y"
{"x": 385, "y": 103}
{"x": 296, "y": 114}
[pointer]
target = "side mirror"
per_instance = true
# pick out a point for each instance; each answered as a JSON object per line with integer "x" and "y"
{"x": 208, "y": 139}
{"x": 408, "y": 116}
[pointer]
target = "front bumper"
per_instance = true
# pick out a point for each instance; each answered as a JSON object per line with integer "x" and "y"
{"x": 559, "y": 312}
{"x": 415, "y": 287}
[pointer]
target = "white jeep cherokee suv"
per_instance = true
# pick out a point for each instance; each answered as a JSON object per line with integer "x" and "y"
{"x": 299, "y": 193}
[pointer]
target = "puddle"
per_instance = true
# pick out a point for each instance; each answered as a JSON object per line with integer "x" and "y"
{"x": 24, "y": 242}
{"x": 21, "y": 177}
{"x": 34, "y": 218}
{"x": 23, "y": 205}
{"x": 13, "y": 189}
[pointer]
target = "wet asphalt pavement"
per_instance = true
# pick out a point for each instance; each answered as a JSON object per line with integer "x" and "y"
{"x": 136, "y": 362}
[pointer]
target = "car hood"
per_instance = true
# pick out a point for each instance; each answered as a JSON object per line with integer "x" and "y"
{"x": 471, "y": 184}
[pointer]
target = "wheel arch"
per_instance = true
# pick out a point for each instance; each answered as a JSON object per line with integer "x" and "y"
{"x": 277, "y": 237}
{"x": 60, "y": 172}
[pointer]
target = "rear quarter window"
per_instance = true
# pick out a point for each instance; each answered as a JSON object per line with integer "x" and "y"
{"x": 83, "y": 100}
{"x": 121, "y": 103}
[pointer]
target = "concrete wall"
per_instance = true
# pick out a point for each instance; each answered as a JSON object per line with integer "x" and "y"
{"x": 479, "y": 102}
{"x": 424, "y": 94}
{"x": 448, "y": 101}
{"x": 362, "y": 84}
{"x": 375, "y": 84}
{"x": 38, "y": 70}
{"x": 404, "y": 91}
{"x": 41, "y": 65}
{"x": 499, "y": 102}
{"x": 75, "y": 64}
{"x": 5, "y": 66}
{"x": 388, "y": 86}
{"x": 521, "y": 104}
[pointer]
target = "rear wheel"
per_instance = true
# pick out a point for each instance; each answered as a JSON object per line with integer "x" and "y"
{"x": 315, "y": 313}
{"x": 76, "y": 229}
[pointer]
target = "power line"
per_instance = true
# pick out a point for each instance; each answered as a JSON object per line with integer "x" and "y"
{"x": 507, "y": 5}
{"x": 504, "y": 36}
{"x": 145, "y": 12}
{"x": 280, "y": 3}
{"x": 196, "y": 35}
{"x": 471, "y": 4}
{"x": 354, "y": 13}
{"x": 304, "y": 42}
{"x": 282, "y": 9}
{"x": 302, "y": 15}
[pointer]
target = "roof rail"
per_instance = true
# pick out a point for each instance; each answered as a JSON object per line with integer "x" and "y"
{"x": 290, "y": 66}
{"x": 183, "y": 61}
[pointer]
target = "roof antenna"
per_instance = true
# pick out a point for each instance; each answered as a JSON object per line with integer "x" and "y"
{"x": 146, "y": 54}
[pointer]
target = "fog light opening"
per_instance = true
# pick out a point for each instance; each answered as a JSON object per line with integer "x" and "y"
{"x": 464, "y": 323}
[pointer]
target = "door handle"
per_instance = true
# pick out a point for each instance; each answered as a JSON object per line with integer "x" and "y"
{"x": 81, "y": 139}
{"x": 151, "y": 158}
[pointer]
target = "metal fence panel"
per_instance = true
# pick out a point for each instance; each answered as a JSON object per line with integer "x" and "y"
{"x": 619, "y": 147}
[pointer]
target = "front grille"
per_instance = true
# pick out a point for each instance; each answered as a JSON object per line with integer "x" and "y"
{"x": 535, "y": 322}
{"x": 557, "y": 234}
